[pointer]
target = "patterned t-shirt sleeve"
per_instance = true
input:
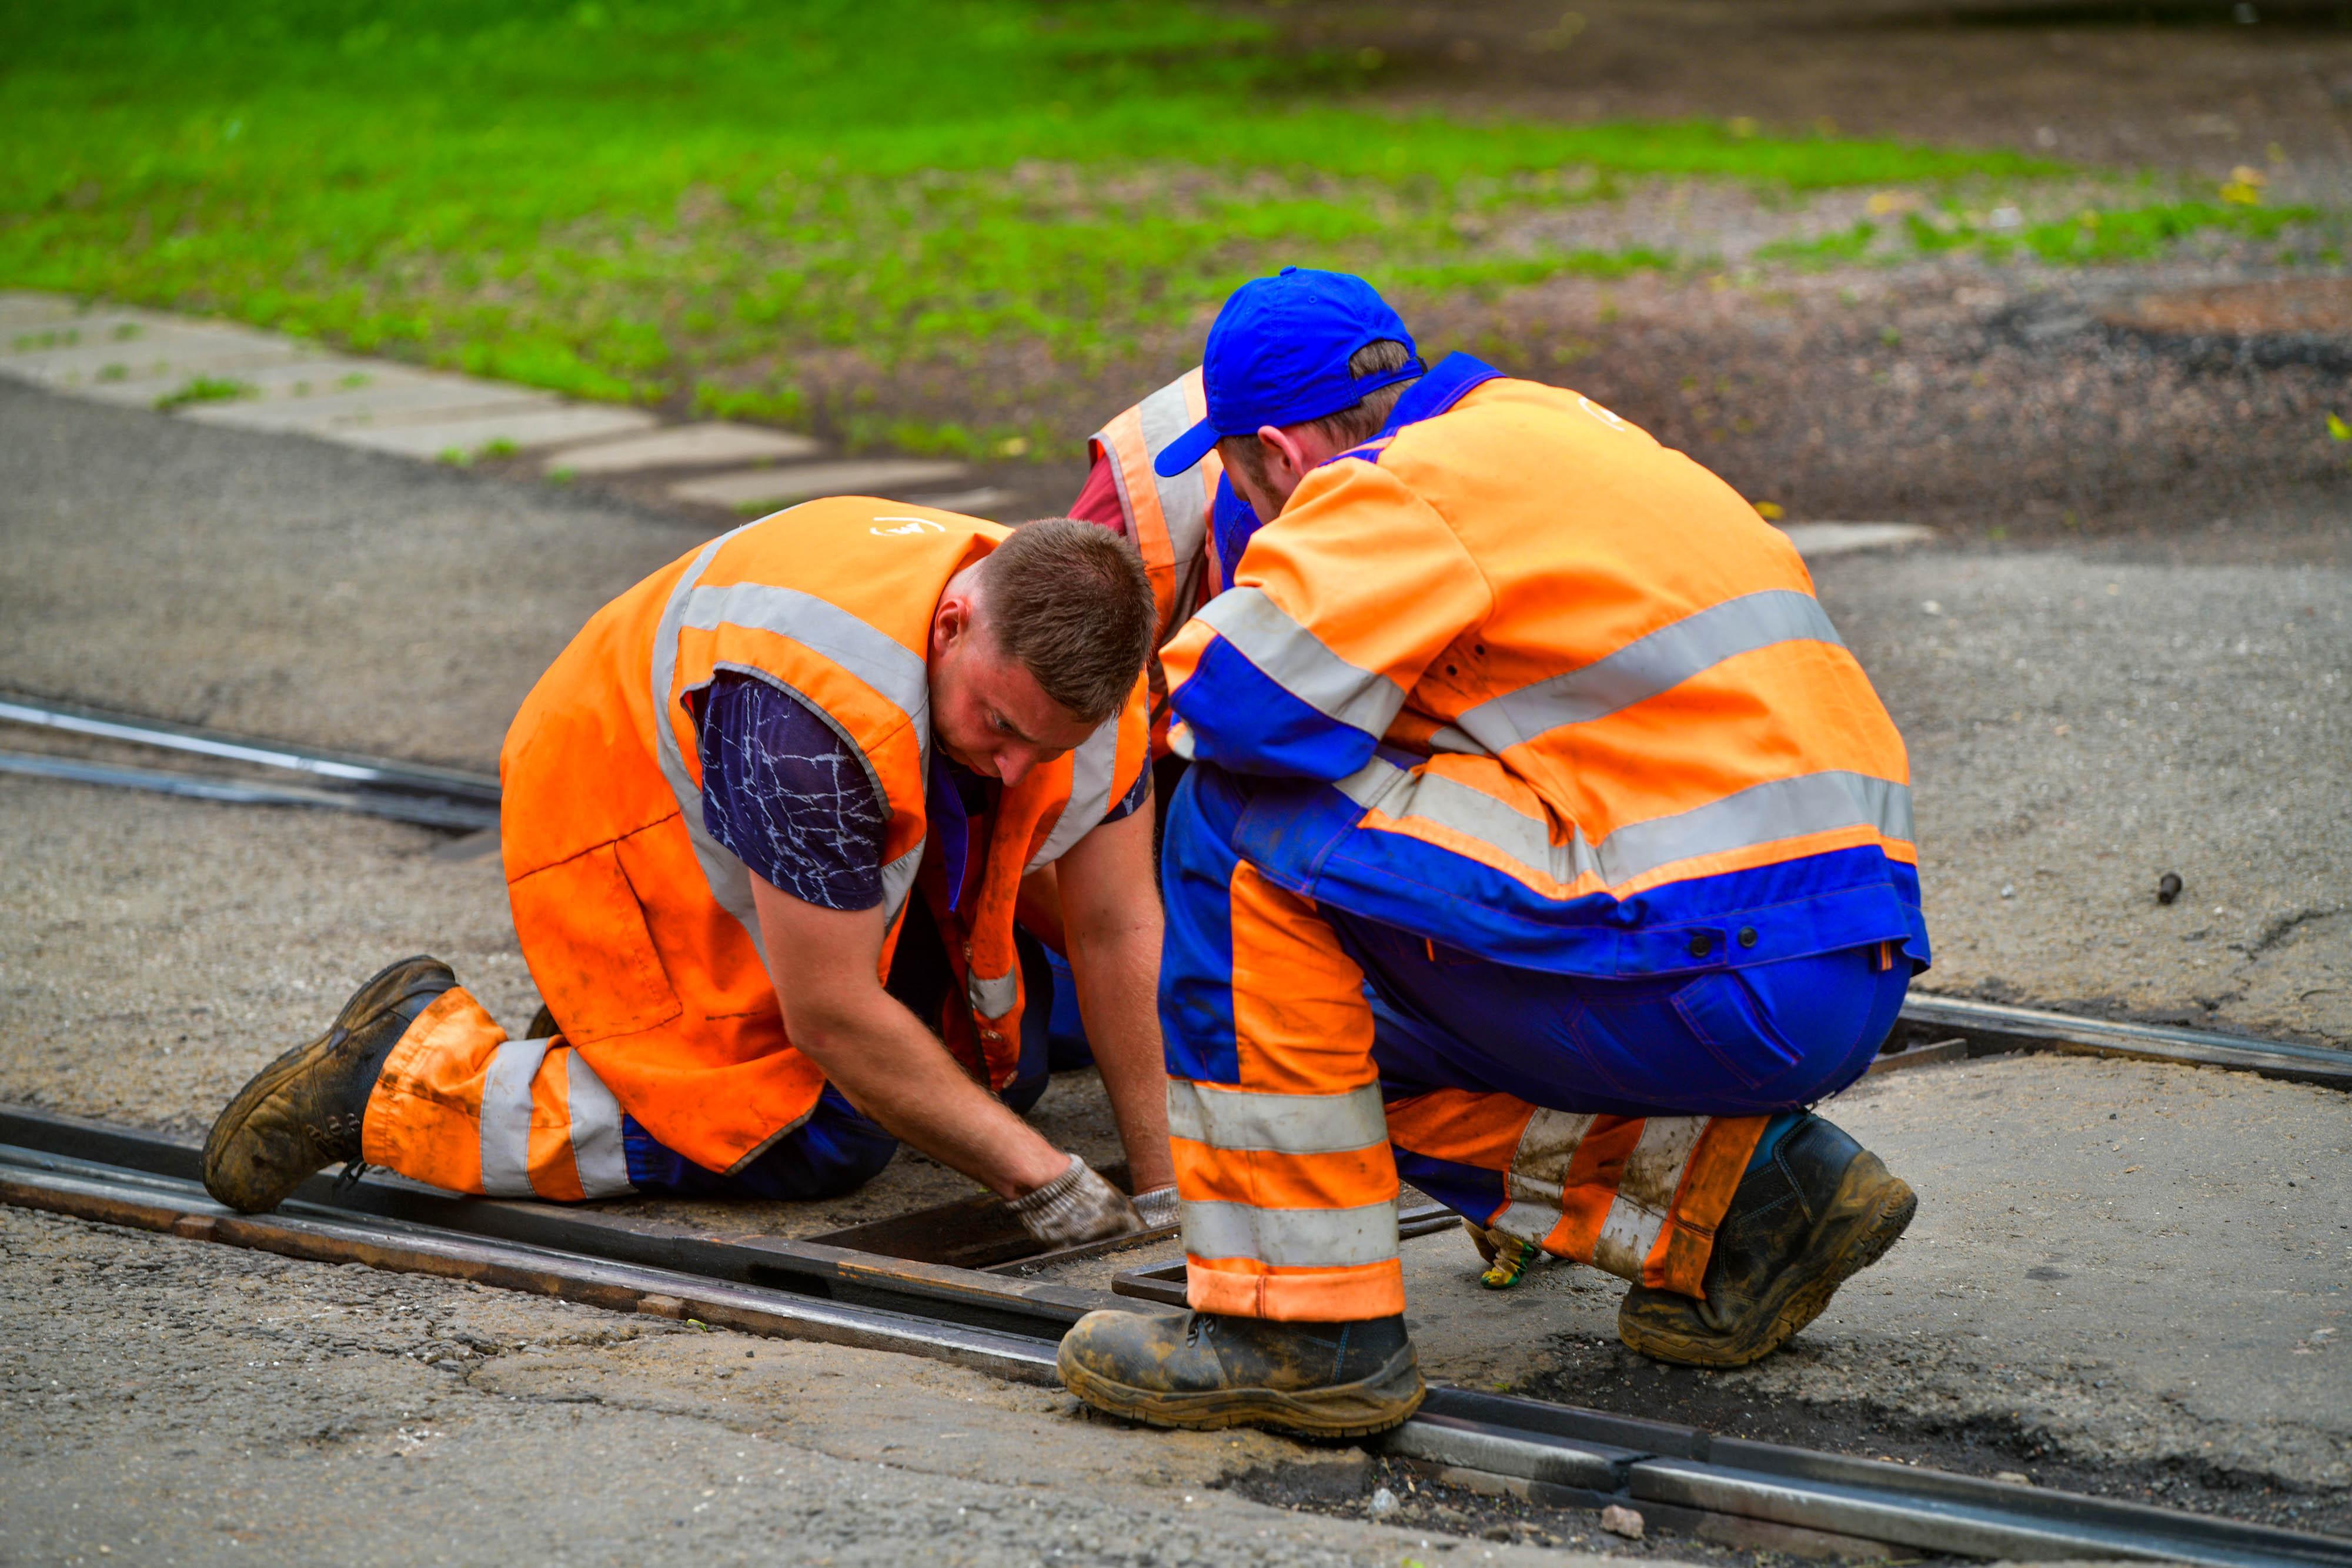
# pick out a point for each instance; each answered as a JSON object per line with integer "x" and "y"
{"x": 1127, "y": 805}
{"x": 786, "y": 796}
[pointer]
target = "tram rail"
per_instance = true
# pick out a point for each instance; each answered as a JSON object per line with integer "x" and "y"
{"x": 996, "y": 1321}
{"x": 462, "y": 802}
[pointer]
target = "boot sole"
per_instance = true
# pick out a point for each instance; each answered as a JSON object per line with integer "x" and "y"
{"x": 1857, "y": 1240}
{"x": 230, "y": 1123}
{"x": 1346, "y": 1410}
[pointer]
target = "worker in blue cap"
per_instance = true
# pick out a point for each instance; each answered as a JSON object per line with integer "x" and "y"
{"x": 1543, "y": 846}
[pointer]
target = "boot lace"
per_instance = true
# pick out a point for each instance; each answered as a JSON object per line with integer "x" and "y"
{"x": 349, "y": 1176}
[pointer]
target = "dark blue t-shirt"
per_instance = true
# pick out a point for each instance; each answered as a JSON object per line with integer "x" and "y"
{"x": 786, "y": 796}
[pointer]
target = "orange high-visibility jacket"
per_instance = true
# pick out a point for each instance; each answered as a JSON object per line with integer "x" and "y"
{"x": 639, "y": 927}
{"x": 1169, "y": 519}
{"x": 1515, "y": 677}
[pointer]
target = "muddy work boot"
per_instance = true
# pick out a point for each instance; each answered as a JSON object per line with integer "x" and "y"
{"x": 1798, "y": 1227}
{"x": 303, "y": 1112}
{"x": 1206, "y": 1371}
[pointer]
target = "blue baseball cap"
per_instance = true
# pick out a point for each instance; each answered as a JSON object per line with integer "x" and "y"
{"x": 1278, "y": 355}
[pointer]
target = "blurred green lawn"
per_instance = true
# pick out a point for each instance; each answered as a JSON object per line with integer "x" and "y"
{"x": 681, "y": 202}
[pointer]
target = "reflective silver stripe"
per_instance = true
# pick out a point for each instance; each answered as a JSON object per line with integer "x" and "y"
{"x": 1529, "y": 1222}
{"x": 1183, "y": 500}
{"x": 880, "y": 660}
{"x": 1646, "y": 1194}
{"x": 1093, "y": 765}
{"x": 596, "y": 1148}
{"x": 992, "y": 997}
{"x": 729, "y": 879}
{"x": 1760, "y": 814}
{"x": 1649, "y": 666}
{"x": 506, "y": 1117}
{"x": 1538, "y": 1172}
{"x": 1292, "y": 1237}
{"x": 898, "y": 876}
{"x": 871, "y": 654}
{"x": 1296, "y": 660}
{"x": 1241, "y": 1120}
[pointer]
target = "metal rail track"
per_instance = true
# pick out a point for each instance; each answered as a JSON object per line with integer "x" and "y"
{"x": 1757, "y": 1495}
{"x": 340, "y": 780}
{"x": 451, "y": 798}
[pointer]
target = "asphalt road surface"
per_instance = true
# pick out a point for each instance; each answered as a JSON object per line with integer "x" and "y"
{"x": 2081, "y": 722}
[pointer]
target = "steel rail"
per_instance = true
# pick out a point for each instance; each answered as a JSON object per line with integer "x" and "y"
{"x": 1757, "y": 1495}
{"x": 340, "y": 766}
{"x": 460, "y": 799}
{"x": 302, "y": 1230}
{"x": 1992, "y": 1028}
{"x": 460, "y": 815}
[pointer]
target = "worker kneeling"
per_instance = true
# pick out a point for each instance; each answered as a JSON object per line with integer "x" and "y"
{"x": 1543, "y": 846}
{"x": 765, "y": 822}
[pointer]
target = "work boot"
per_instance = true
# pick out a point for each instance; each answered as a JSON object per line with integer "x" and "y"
{"x": 1820, "y": 1208}
{"x": 1206, "y": 1371}
{"x": 304, "y": 1111}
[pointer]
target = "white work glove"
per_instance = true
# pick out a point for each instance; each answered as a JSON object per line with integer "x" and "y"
{"x": 1075, "y": 1207}
{"x": 1159, "y": 1207}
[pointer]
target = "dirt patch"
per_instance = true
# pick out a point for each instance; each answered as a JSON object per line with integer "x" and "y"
{"x": 2175, "y": 87}
{"x": 2319, "y": 305}
{"x": 1609, "y": 1377}
{"x": 1423, "y": 1502}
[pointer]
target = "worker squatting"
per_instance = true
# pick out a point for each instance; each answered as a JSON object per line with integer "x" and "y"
{"x": 1526, "y": 831}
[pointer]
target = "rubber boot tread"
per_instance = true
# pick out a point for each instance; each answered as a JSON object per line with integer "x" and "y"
{"x": 1343, "y": 1410}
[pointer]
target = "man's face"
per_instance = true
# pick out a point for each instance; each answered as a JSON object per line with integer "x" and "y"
{"x": 988, "y": 712}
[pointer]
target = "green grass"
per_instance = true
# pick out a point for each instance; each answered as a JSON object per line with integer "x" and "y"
{"x": 720, "y": 204}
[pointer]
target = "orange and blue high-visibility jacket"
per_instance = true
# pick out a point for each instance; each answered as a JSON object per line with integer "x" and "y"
{"x": 1515, "y": 677}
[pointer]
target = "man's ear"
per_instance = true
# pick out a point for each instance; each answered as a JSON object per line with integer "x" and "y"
{"x": 950, "y": 622}
{"x": 1282, "y": 450}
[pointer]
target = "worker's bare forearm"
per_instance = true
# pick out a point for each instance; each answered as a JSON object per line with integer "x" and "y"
{"x": 880, "y": 1055}
{"x": 897, "y": 1072}
{"x": 1117, "y": 976}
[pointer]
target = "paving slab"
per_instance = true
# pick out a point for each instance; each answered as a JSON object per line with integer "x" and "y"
{"x": 850, "y": 476}
{"x": 983, "y": 501}
{"x": 525, "y": 427}
{"x": 706, "y": 445}
{"x": 138, "y": 385}
{"x": 390, "y": 398}
{"x": 184, "y": 351}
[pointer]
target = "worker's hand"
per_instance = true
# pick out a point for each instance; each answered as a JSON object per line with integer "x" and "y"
{"x": 1076, "y": 1206}
{"x": 1159, "y": 1207}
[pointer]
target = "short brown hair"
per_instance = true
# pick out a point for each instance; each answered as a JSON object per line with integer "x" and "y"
{"x": 1071, "y": 601}
{"x": 1353, "y": 425}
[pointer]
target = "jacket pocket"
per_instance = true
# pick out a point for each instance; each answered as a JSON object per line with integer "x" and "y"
{"x": 583, "y": 934}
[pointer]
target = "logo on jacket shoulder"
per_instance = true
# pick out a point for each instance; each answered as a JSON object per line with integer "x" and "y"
{"x": 1600, "y": 413}
{"x": 905, "y": 525}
